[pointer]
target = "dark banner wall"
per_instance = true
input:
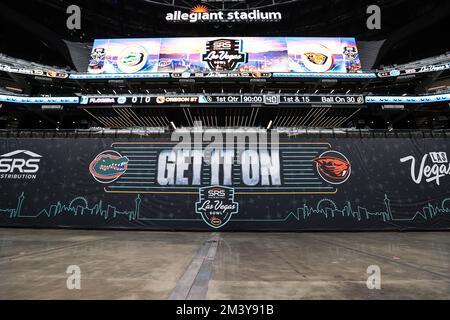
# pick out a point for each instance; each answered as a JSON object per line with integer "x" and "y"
{"x": 308, "y": 184}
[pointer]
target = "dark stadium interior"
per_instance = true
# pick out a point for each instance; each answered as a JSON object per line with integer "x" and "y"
{"x": 42, "y": 24}
{"x": 170, "y": 155}
{"x": 35, "y": 31}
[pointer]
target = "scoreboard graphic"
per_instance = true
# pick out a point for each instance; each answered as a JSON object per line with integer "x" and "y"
{"x": 225, "y": 54}
{"x": 223, "y": 99}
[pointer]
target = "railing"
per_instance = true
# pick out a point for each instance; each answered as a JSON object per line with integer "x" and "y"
{"x": 284, "y": 132}
{"x": 443, "y": 58}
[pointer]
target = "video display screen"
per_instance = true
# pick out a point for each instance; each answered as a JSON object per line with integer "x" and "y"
{"x": 225, "y": 54}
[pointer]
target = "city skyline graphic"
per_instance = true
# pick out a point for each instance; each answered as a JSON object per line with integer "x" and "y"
{"x": 325, "y": 208}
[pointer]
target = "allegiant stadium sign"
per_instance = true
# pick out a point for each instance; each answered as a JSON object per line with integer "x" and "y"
{"x": 221, "y": 16}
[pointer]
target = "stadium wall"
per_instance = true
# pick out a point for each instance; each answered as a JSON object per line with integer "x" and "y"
{"x": 153, "y": 183}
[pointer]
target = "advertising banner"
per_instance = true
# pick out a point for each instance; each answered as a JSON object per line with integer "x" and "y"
{"x": 410, "y": 71}
{"x": 260, "y": 183}
{"x": 224, "y": 54}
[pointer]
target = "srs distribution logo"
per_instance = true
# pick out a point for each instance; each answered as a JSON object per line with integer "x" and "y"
{"x": 19, "y": 164}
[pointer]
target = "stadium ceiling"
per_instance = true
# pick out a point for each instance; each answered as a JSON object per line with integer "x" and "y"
{"x": 224, "y": 5}
{"x": 36, "y": 30}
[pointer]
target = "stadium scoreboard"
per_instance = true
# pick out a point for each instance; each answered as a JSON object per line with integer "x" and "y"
{"x": 225, "y": 99}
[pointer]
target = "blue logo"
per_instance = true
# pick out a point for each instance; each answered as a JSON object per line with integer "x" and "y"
{"x": 84, "y": 100}
{"x": 394, "y": 73}
{"x": 216, "y": 205}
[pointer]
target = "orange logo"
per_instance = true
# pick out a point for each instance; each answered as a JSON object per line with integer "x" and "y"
{"x": 199, "y": 9}
{"x": 333, "y": 167}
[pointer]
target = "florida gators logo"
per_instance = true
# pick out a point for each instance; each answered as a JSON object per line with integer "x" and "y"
{"x": 333, "y": 167}
{"x": 108, "y": 166}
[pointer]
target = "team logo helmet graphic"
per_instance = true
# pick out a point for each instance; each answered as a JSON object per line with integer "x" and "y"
{"x": 108, "y": 166}
{"x": 216, "y": 205}
{"x": 333, "y": 167}
{"x": 317, "y": 58}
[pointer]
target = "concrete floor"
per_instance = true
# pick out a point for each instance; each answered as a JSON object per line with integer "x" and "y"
{"x": 191, "y": 265}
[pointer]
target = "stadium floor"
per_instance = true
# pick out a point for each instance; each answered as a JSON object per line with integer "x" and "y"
{"x": 194, "y": 265}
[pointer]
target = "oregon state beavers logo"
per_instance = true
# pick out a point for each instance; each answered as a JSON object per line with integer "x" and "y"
{"x": 316, "y": 58}
{"x": 333, "y": 167}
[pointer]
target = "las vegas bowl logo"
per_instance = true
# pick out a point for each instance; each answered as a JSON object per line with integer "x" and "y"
{"x": 216, "y": 205}
{"x": 224, "y": 54}
{"x": 333, "y": 167}
{"x": 108, "y": 166}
